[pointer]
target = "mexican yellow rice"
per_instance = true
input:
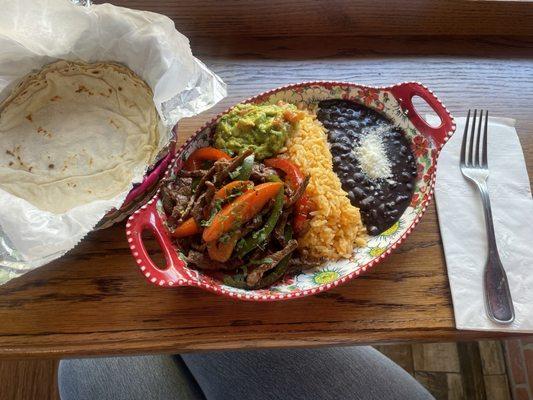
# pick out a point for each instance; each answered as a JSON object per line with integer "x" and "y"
{"x": 336, "y": 227}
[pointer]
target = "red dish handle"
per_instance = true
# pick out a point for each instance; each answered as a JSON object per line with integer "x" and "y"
{"x": 147, "y": 218}
{"x": 404, "y": 94}
{"x": 154, "y": 175}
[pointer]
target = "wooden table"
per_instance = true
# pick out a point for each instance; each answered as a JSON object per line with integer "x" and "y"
{"x": 95, "y": 301}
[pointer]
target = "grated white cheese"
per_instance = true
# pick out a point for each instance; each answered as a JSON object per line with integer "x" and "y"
{"x": 372, "y": 156}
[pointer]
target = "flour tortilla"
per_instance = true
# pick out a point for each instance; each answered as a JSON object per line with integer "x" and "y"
{"x": 74, "y": 133}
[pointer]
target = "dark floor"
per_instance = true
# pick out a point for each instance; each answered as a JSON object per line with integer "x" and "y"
{"x": 453, "y": 371}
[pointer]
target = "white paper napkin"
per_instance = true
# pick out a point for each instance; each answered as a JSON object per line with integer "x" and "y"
{"x": 463, "y": 232}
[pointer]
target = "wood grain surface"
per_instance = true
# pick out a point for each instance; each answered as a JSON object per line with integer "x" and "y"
{"x": 28, "y": 380}
{"x": 338, "y": 17}
{"x": 95, "y": 301}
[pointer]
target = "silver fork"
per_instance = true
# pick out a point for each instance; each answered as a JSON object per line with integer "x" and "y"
{"x": 498, "y": 301}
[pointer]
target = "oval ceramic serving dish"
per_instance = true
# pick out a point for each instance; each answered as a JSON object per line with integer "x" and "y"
{"x": 395, "y": 102}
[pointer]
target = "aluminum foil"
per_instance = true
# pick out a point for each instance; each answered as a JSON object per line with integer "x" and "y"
{"x": 33, "y": 34}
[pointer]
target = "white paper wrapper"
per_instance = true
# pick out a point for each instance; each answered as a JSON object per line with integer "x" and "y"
{"x": 463, "y": 231}
{"x": 33, "y": 34}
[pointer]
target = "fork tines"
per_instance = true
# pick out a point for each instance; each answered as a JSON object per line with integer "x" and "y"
{"x": 471, "y": 157}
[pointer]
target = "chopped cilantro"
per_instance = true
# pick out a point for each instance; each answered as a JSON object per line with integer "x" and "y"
{"x": 234, "y": 194}
{"x": 207, "y": 222}
{"x": 224, "y": 238}
{"x": 217, "y": 207}
{"x": 262, "y": 246}
{"x": 235, "y": 173}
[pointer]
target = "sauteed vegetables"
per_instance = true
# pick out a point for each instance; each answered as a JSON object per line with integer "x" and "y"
{"x": 235, "y": 213}
{"x": 279, "y": 188}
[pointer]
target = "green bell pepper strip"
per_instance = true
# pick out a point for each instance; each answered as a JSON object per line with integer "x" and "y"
{"x": 231, "y": 281}
{"x": 258, "y": 237}
{"x": 274, "y": 178}
{"x": 246, "y": 168}
{"x": 279, "y": 270}
{"x": 269, "y": 279}
{"x": 195, "y": 183}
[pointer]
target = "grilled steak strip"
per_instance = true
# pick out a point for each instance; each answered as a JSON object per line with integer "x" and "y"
{"x": 203, "y": 261}
{"x": 233, "y": 165}
{"x": 200, "y": 247}
{"x": 254, "y": 276}
{"x": 197, "y": 211}
{"x": 298, "y": 193}
{"x": 175, "y": 196}
{"x": 305, "y": 262}
{"x": 167, "y": 200}
{"x": 261, "y": 173}
{"x": 197, "y": 191}
{"x": 279, "y": 230}
{"x": 197, "y": 173}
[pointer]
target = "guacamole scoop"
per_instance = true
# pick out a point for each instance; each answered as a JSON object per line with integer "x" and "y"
{"x": 263, "y": 128}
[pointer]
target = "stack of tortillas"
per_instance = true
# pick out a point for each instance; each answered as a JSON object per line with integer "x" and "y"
{"x": 75, "y": 133}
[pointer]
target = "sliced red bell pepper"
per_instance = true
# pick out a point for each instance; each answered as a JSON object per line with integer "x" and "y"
{"x": 295, "y": 177}
{"x": 221, "y": 251}
{"x": 232, "y": 187}
{"x": 241, "y": 210}
{"x": 302, "y": 209}
{"x": 187, "y": 228}
{"x": 204, "y": 154}
{"x": 292, "y": 172}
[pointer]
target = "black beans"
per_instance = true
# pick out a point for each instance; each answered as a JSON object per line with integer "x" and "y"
{"x": 405, "y": 177}
{"x": 350, "y": 183}
{"x": 349, "y": 112}
{"x": 373, "y": 230}
{"x": 354, "y": 124}
{"x": 367, "y": 201}
{"x": 401, "y": 198}
{"x": 337, "y": 160}
{"x": 381, "y": 202}
{"x": 358, "y": 193}
{"x": 339, "y": 148}
{"x": 358, "y": 177}
{"x": 391, "y": 213}
{"x": 345, "y": 167}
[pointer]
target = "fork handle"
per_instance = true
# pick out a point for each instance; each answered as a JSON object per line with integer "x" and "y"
{"x": 498, "y": 299}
